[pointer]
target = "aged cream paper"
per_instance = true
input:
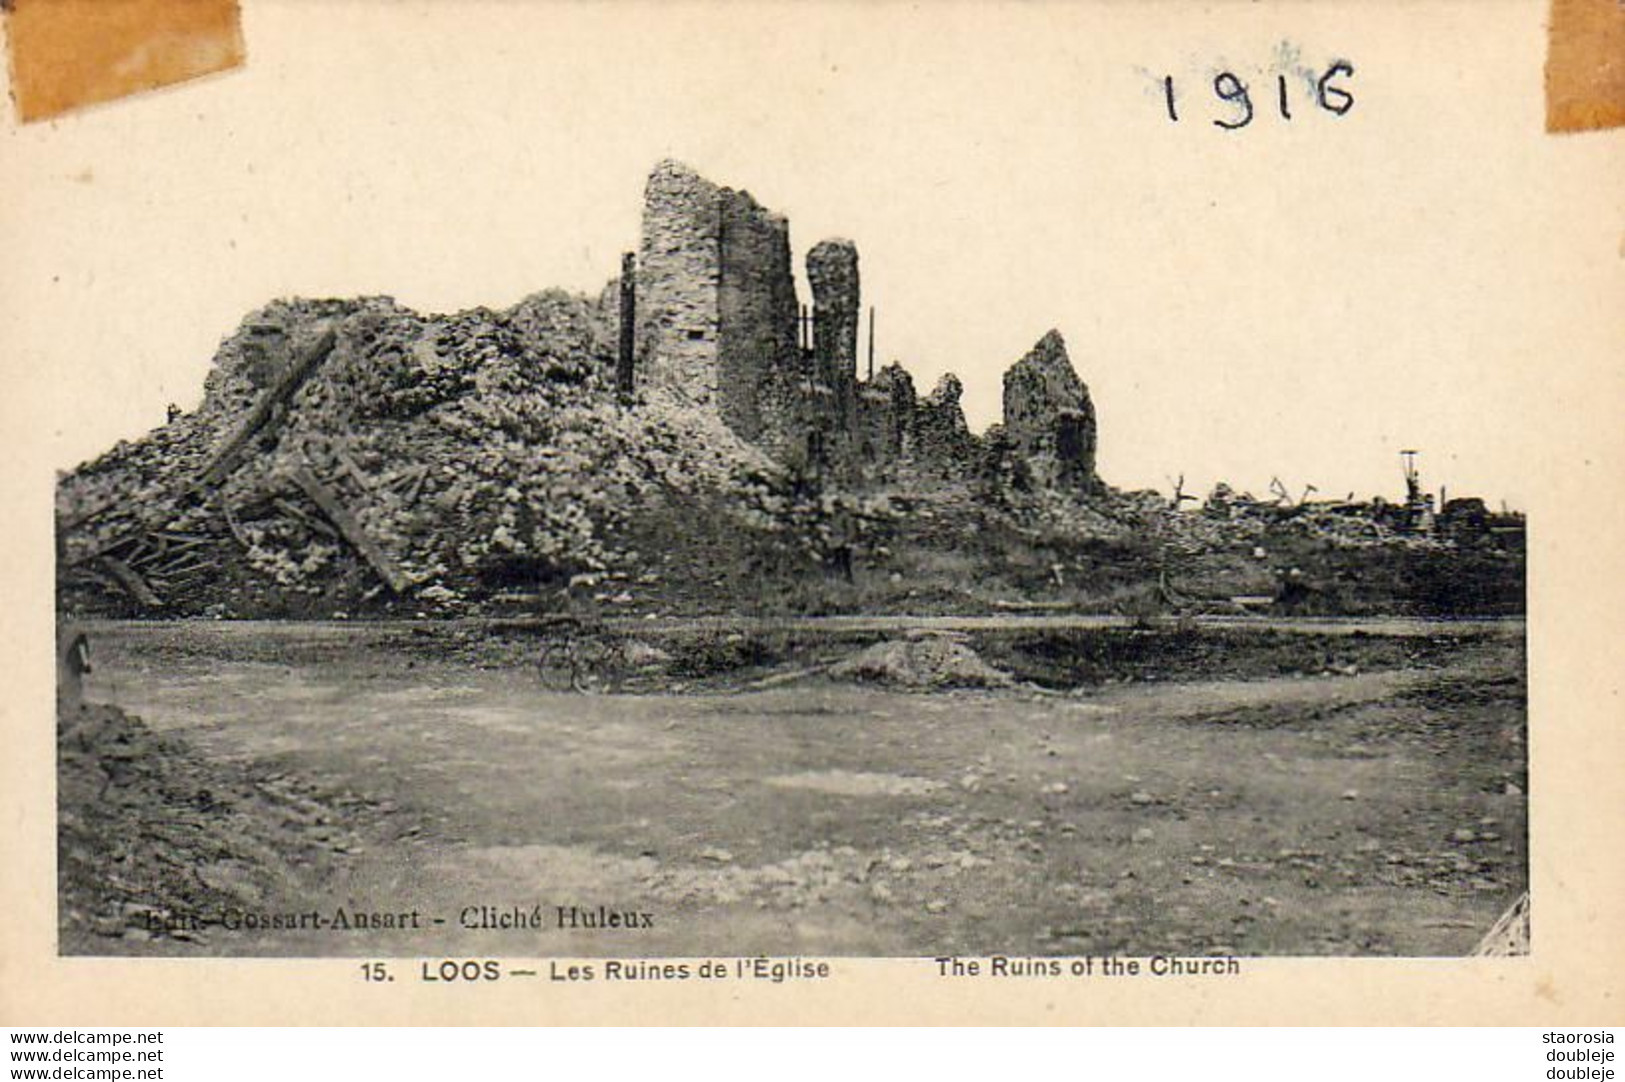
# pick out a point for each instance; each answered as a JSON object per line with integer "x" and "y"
{"x": 1296, "y": 295}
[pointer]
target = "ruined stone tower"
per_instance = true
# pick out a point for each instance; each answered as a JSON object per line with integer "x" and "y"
{"x": 716, "y": 302}
{"x": 1049, "y": 417}
{"x": 715, "y": 321}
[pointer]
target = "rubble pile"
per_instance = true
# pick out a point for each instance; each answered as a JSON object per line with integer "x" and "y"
{"x": 149, "y": 834}
{"x": 922, "y": 662}
{"x": 1345, "y": 524}
{"x": 433, "y": 458}
{"x": 685, "y": 434}
{"x": 356, "y": 457}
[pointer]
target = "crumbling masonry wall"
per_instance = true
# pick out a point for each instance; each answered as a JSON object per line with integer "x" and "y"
{"x": 1049, "y": 417}
{"x": 716, "y": 325}
{"x": 716, "y": 318}
{"x": 942, "y": 440}
{"x": 756, "y": 306}
{"x": 679, "y": 270}
{"x": 884, "y": 429}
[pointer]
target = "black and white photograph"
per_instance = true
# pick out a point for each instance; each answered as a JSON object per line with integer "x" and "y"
{"x": 599, "y": 489}
{"x": 664, "y": 621}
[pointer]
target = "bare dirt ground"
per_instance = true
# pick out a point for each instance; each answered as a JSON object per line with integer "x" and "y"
{"x": 1350, "y": 797}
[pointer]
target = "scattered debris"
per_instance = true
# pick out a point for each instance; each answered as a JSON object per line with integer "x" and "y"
{"x": 133, "y": 806}
{"x": 928, "y": 662}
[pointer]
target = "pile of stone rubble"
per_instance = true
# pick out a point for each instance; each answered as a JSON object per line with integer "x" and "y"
{"x": 152, "y": 839}
{"x": 352, "y": 452}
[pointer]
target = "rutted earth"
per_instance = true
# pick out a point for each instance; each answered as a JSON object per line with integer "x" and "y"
{"x": 1355, "y": 812}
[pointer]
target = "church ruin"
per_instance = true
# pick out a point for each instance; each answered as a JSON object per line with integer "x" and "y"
{"x": 717, "y": 322}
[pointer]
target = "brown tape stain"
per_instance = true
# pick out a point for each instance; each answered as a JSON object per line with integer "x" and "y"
{"x": 1585, "y": 65}
{"x": 70, "y": 53}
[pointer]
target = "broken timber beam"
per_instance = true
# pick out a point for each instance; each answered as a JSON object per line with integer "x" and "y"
{"x": 352, "y": 530}
{"x": 351, "y": 468}
{"x": 304, "y": 518}
{"x": 133, "y": 584}
{"x": 224, "y": 460}
{"x": 417, "y": 485}
{"x": 183, "y": 567}
{"x": 106, "y": 548}
{"x": 235, "y": 527}
{"x": 178, "y": 541}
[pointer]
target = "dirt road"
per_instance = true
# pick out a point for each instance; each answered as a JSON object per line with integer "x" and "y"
{"x": 1375, "y": 813}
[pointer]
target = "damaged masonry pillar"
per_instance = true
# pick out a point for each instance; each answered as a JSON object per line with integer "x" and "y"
{"x": 832, "y": 271}
{"x": 629, "y": 310}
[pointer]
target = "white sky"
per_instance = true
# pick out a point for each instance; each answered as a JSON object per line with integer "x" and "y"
{"x": 1300, "y": 298}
